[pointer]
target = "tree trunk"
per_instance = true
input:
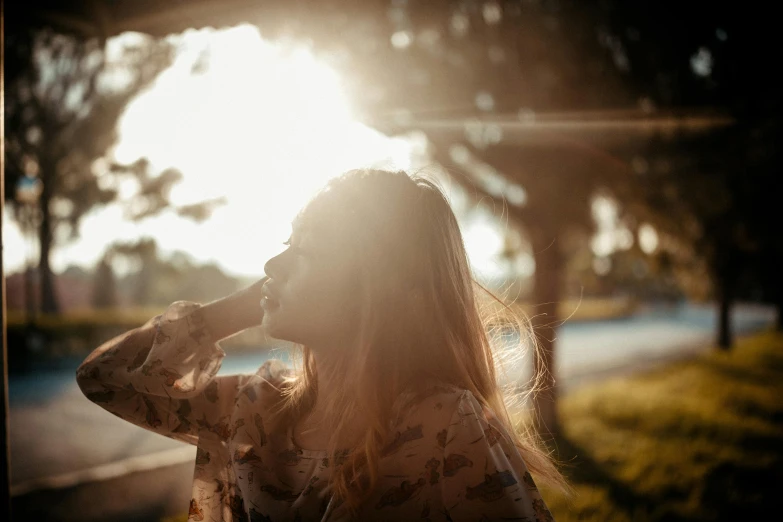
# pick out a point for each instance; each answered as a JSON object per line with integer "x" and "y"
{"x": 546, "y": 295}
{"x": 724, "y": 324}
{"x": 725, "y": 338}
{"x": 778, "y": 294}
{"x": 49, "y": 301}
{"x": 29, "y": 294}
{"x": 27, "y": 215}
{"x": 104, "y": 287}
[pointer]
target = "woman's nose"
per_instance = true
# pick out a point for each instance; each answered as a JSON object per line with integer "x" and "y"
{"x": 273, "y": 267}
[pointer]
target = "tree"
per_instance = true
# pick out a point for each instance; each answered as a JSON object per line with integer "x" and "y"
{"x": 151, "y": 270}
{"x": 598, "y": 56}
{"x": 714, "y": 195}
{"x": 159, "y": 281}
{"x": 104, "y": 291}
{"x": 692, "y": 194}
{"x": 64, "y": 96}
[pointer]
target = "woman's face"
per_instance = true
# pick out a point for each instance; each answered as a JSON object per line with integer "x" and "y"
{"x": 310, "y": 295}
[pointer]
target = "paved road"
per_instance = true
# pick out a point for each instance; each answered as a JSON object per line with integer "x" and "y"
{"x": 56, "y": 432}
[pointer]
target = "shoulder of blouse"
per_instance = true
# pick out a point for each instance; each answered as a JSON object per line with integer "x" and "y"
{"x": 266, "y": 383}
{"x": 433, "y": 402}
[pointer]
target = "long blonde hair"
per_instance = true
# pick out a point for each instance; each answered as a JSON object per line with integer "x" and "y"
{"x": 419, "y": 318}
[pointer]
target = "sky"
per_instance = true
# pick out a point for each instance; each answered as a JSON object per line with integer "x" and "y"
{"x": 263, "y": 126}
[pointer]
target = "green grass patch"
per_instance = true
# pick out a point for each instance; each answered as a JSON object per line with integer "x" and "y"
{"x": 697, "y": 440}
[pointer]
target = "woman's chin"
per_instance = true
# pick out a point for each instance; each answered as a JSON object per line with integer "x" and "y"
{"x": 272, "y": 327}
{"x": 268, "y": 322}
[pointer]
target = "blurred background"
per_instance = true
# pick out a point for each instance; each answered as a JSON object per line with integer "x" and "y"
{"x": 614, "y": 167}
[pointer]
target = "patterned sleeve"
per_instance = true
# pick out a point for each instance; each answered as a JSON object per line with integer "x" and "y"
{"x": 484, "y": 476}
{"x": 160, "y": 376}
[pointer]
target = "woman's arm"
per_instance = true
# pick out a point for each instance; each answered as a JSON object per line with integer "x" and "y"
{"x": 236, "y": 312}
{"x": 161, "y": 376}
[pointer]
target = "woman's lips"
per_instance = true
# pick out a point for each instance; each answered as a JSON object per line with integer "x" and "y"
{"x": 269, "y": 304}
{"x": 269, "y": 300}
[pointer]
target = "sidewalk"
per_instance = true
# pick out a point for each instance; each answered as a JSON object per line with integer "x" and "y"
{"x": 141, "y": 496}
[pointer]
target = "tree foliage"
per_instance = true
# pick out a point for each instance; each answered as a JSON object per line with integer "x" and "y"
{"x": 156, "y": 280}
{"x": 64, "y": 97}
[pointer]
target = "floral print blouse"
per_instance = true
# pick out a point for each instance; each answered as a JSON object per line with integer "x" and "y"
{"x": 448, "y": 459}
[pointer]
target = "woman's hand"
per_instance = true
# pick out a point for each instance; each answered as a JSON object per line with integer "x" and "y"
{"x": 236, "y": 312}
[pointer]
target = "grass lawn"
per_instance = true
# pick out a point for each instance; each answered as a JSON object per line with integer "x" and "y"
{"x": 698, "y": 440}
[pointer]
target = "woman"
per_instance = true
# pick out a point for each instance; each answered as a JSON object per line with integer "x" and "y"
{"x": 395, "y": 412}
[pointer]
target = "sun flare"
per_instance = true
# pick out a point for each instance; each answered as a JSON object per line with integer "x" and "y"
{"x": 262, "y": 124}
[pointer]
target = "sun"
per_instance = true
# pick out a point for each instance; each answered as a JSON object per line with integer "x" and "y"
{"x": 262, "y": 124}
